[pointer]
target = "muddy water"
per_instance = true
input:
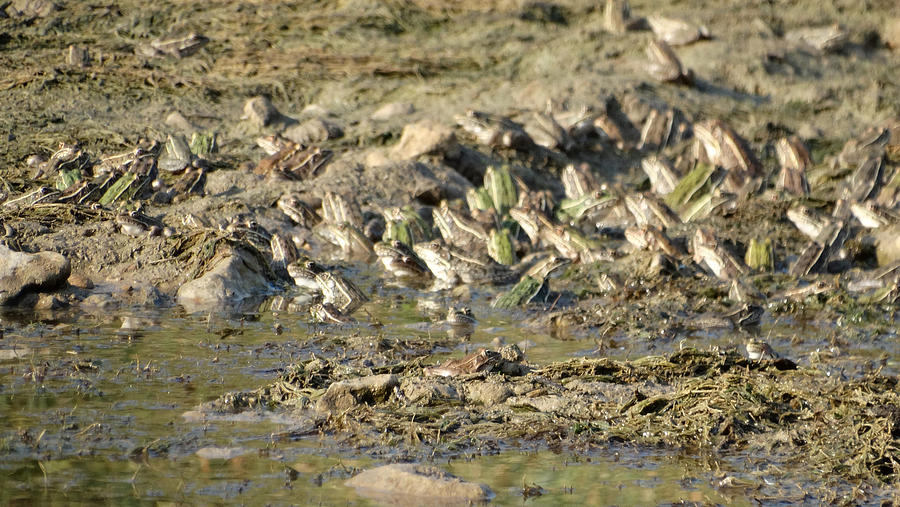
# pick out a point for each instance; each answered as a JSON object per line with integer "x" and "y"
{"x": 85, "y": 398}
{"x": 93, "y": 408}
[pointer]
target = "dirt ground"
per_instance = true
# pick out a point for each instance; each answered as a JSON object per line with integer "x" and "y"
{"x": 345, "y": 60}
{"x": 350, "y": 58}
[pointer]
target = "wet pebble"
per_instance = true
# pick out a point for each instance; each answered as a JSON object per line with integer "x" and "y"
{"x": 225, "y": 453}
{"x": 81, "y": 281}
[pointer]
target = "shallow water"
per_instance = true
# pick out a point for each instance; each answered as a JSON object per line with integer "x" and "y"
{"x": 91, "y": 410}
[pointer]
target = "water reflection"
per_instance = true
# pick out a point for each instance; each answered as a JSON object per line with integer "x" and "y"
{"x": 92, "y": 406}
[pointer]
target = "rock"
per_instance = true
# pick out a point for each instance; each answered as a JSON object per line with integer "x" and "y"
{"x": 260, "y": 112}
{"x": 225, "y": 453}
{"x": 22, "y": 273}
{"x": 236, "y": 276}
{"x": 887, "y": 245}
{"x": 551, "y": 403}
{"x": 15, "y": 353}
{"x": 315, "y": 110}
{"x": 891, "y": 34}
{"x": 348, "y": 393}
{"x": 50, "y": 302}
{"x": 762, "y": 28}
{"x": 428, "y": 392}
{"x": 31, "y": 8}
{"x": 416, "y": 484}
{"x": 81, "y": 281}
{"x": 177, "y": 120}
{"x": 426, "y": 138}
{"x": 99, "y": 302}
{"x": 132, "y": 323}
{"x": 377, "y": 157}
{"x": 391, "y": 110}
{"x": 313, "y": 131}
{"x": 487, "y": 393}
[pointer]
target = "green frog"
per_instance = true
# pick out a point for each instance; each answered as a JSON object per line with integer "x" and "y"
{"x": 721, "y": 262}
{"x": 401, "y": 261}
{"x": 135, "y": 223}
{"x": 328, "y": 313}
{"x": 178, "y": 45}
{"x": 352, "y": 242}
{"x": 458, "y": 228}
{"x": 495, "y": 131}
{"x": 460, "y": 316}
{"x": 872, "y": 216}
{"x": 453, "y": 266}
{"x": 808, "y": 221}
{"x": 758, "y": 350}
{"x": 340, "y": 291}
{"x": 298, "y": 211}
{"x": 304, "y": 272}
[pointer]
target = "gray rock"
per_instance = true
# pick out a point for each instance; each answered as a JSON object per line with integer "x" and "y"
{"x": 22, "y": 273}
{"x": 426, "y": 392}
{"x": 15, "y": 353}
{"x": 426, "y": 138}
{"x": 415, "y": 484}
{"x": 551, "y": 403}
{"x": 488, "y": 393}
{"x": 50, "y": 302}
{"x": 891, "y": 32}
{"x": 887, "y": 245}
{"x": 260, "y": 112}
{"x": 313, "y": 131}
{"x": 225, "y": 453}
{"x": 81, "y": 281}
{"x": 236, "y": 276}
{"x": 177, "y": 120}
{"x": 348, "y": 393}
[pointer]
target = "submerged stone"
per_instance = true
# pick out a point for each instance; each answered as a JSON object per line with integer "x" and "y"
{"x": 415, "y": 484}
{"x": 224, "y": 453}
